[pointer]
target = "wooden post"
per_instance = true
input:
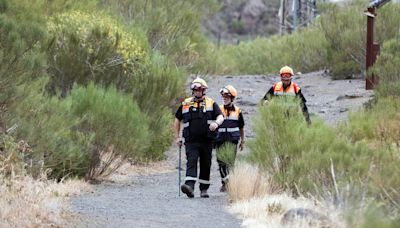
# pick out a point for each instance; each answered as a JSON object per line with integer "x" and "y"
{"x": 370, "y": 59}
{"x": 372, "y": 48}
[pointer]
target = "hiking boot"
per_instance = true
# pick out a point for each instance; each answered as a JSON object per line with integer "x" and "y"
{"x": 223, "y": 188}
{"x": 204, "y": 194}
{"x": 187, "y": 190}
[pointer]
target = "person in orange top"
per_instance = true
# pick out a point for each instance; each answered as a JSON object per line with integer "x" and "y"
{"x": 230, "y": 131}
{"x": 288, "y": 88}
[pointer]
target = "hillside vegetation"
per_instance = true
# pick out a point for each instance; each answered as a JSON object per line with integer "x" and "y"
{"x": 82, "y": 80}
{"x": 335, "y": 40}
{"x": 86, "y": 85}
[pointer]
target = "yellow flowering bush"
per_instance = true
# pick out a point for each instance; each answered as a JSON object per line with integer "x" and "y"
{"x": 94, "y": 47}
{"x": 83, "y": 23}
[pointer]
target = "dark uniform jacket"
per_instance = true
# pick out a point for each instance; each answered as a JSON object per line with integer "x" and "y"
{"x": 196, "y": 117}
{"x": 233, "y": 122}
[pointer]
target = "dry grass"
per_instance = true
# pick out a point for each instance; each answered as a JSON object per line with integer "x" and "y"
{"x": 246, "y": 182}
{"x": 26, "y": 202}
{"x": 261, "y": 204}
{"x": 269, "y": 210}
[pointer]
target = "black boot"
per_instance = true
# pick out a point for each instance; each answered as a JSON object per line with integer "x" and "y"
{"x": 223, "y": 188}
{"x": 187, "y": 190}
{"x": 204, "y": 194}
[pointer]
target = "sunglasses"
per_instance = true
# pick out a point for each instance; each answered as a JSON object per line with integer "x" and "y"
{"x": 196, "y": 86}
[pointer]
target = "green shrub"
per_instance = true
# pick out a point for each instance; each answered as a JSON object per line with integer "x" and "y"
{"x": 304, "y": 50}
{"x": 379, "y": 124}
{"x": 156, "y": 89}
{"x": 173, "y": 27}
{"x": 387, "y": 22}
{"x": 344, "y": 29}
{"x": 364, "y": 153}
{"x": 343, "y": 69}
{"x": 278, "y": 126}
{"x": 159, "y": 85}
{"x": 378, "y": 128}
{"x": 20, "y": 57}
{"x": 83, "y": 134}
{"x": 335, "y": 40}
{"x": 301, "y": 156}
{"x": 374, "y": 214}
{"x": 387, "y": 68}
{"x": 114, "y": 119}
{"x": 93, "y": 47}
{"x": 23, "y": 31}
{"x": 112, "y": 55}
{"x": 49, "y": 127}
{"x": 227, "y": 153}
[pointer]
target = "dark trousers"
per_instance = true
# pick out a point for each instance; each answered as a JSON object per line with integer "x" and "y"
{"x": 223, "y": 167}
{"x": 198, "y": 152}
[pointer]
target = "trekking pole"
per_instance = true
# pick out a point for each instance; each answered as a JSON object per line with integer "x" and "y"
{"x": 179, "y": 169}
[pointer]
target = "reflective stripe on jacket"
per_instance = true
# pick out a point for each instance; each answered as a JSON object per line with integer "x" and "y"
{"x": 291, "y": 90}
{"x": 229, "y": 129}
{"x": 197, "y": 115}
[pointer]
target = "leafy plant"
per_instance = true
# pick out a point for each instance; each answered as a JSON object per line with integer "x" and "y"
{"x": 387, "y": 68}
{"x": 227, "y": 153}
{"x": 83, "y": 49}
{"x": 70, "y": 136}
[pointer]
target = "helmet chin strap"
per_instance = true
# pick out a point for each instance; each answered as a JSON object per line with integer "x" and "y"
{"x": 199, "y": 98}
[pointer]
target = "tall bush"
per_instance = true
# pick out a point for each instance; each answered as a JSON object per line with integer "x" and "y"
{"x": 173, "y": 27}
{"x": 119, "y": 127}
{"x": 335, "y": 40}
{"x": 93, "y": 47}
{"x": 20, "y": 57}
{"x": 379, "y": 124}
{"x": 304, "y": 50}
{"x": 387, "y": 68}
{"x": 299, "y": 156}
{"x": 345, "y": 30}
{"x": 47, "y": 125}
{"x": 355, "y": 162}
{"x": 70, "y": 136}
{"x": 156, "y": 88}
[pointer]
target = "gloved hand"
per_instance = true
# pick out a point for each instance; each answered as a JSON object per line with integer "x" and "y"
{"x": 178, "y": 142}
{"x": 213, "y": 126}
{"x": 241, "y": 145}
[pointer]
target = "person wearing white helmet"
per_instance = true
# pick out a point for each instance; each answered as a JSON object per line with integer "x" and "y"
{"x": 288, "y": 88}
{"x": 230, "y": 131}
{"x": 201, "y": 117}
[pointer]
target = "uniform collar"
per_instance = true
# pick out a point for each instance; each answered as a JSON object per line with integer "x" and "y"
{"x": 285, "y": 87}
{"x": 231, "y": 106}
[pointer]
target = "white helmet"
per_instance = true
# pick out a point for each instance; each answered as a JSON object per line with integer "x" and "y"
{"x": 198, "y": 83}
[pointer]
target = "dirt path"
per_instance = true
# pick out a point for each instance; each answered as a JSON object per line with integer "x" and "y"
{"x": 151, "y": 200}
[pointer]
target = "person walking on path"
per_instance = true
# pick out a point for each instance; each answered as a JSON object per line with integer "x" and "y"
{"x": 289, "y": 88}
{"x": 201, "y": 117}
{"x": 230, "y": 131}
